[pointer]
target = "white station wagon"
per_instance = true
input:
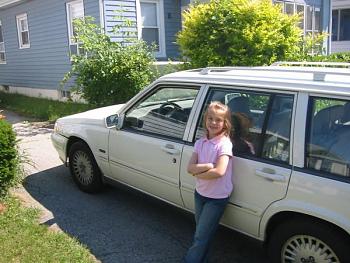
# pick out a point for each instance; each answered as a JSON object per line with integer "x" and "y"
{"x": 291, "y": 189}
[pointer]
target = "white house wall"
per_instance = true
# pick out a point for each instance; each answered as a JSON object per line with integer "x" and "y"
{"x": 340, "y": 46}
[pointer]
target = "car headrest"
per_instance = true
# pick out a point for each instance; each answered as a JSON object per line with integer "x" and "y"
{"x": 239, "y": 104}
{"x": 326, "y": 118}
{"x": 346, "y": 113}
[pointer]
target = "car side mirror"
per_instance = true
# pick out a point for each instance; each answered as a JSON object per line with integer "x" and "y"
{"x": 119, "y": 121}
{"x": 115, "y": 120}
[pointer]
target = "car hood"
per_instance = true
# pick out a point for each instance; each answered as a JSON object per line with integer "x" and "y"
{"x": 94, "y": 117}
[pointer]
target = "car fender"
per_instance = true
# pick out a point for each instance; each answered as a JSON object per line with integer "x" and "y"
{"x": 96, "y": 137}
{"x": 301, "y": 208}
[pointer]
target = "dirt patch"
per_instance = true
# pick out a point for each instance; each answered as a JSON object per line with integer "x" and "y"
{"x": 2, "y": 208}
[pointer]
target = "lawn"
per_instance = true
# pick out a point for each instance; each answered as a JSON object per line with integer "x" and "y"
{"x": 22, "y": 239}
{"x": 40, "y": 108}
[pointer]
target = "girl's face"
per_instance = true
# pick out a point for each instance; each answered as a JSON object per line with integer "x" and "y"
{"x": 215, "y": 123}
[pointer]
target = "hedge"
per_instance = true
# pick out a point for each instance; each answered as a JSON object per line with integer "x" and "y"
{"x": 9, "y": 160}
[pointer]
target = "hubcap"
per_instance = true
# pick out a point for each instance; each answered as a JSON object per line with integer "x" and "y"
{"x": 307, "y": 249}
{"x": 82, "y": 167}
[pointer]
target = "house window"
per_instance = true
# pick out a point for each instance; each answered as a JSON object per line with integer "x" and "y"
{"x": 2, "y": 46}
{"x": 23, "y": 31}
{"x": 310, "y": 16}
{"x": 151, "y": 24}
{"x": 75, "y": 10}
{"x": 341, "y": 25}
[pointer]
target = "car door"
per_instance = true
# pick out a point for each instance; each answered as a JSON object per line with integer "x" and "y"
{"x": 146, "y": 152}
{"x": 262, "y": 122}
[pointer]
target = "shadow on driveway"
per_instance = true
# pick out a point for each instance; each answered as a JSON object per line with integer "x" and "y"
{"x": 123, "y": 225}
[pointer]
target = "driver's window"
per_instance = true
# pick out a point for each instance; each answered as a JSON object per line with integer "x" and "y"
{"x": 165, "y": 112}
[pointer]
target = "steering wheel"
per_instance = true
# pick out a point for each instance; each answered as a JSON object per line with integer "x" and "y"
{"x": 174, "y": 107}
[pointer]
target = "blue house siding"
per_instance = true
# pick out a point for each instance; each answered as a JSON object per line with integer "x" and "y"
{"x": 172, "y": 21}
{"x": 116, "y": 12}
{"x": 44, "y": 64}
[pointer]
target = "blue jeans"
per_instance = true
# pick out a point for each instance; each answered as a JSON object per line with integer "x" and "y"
{"x": 208, "y": 212}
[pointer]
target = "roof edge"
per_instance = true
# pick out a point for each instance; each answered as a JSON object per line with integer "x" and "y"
{"x": 4, "y": 3}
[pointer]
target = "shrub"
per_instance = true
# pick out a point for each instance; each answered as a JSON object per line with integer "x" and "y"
{"x": 109, "y": 72}
{"x": 335, "y": 57}
{"x": 241, "y": 32}
{"x": 9, "y": 157}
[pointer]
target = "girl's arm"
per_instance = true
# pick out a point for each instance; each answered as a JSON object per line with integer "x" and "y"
{"x": 197, "y": 168}
{"x": 218, "y": 171}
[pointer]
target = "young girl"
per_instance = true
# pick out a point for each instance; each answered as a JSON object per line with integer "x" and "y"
{"x": 211, "y": 164}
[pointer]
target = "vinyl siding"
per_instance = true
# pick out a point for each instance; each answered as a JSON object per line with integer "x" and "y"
{"x": 118, "y": 11}
{"x": 172, "y": 21}
{"x": 44, "y": 64}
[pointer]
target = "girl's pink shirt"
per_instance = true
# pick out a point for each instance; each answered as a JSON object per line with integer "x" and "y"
{"x": 208, "y": 151}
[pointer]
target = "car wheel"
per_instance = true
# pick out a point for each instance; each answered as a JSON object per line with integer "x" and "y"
{"x": 307, "y": 241}
{"x": 84, "y": 169}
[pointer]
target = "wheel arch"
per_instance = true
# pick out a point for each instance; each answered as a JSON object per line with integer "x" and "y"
{"x": 284, "y": 216}
{"x": 71, "y": 141}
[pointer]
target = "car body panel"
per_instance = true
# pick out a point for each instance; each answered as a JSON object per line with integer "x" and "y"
{"x": 145, "y": 163}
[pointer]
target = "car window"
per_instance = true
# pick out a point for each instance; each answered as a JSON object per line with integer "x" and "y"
{"x": 260, "y": 122}
{"x": 164, "y": 112}
{"x": 327, "y": 144}
{"x": 277, "y": 136}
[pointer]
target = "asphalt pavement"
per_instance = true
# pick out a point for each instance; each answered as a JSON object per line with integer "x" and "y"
{"x": 119, "y": 224}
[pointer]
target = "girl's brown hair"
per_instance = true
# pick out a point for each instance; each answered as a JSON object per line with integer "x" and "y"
{"x": 217, "y": 106}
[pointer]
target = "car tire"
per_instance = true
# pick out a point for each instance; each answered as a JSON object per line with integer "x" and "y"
{"x": 84, "y": 169}
{"x": 308, "y": 241}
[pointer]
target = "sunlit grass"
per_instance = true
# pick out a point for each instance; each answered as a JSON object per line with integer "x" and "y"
{"x": 23, "y": 239}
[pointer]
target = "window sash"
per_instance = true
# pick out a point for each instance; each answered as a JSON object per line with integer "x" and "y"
{"x": 75, "y": 10}
{"x": 23, "y": 31}
{"x": 2, "y": 46}
{"x": 152, "y": 24}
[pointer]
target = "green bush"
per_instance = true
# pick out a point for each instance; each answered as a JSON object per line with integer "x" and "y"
{"x": 109, "y": 72}
{"x": 240, "y": 32}
{"x": 9, "y": 157}
{"x": 335, "y": 57}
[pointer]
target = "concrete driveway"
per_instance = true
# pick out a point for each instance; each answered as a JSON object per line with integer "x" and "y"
{"x": 118, "y": 225}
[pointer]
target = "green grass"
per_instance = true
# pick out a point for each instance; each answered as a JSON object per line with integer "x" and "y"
{"x": 39, "y": 108}
{"x": 23, "y": 240}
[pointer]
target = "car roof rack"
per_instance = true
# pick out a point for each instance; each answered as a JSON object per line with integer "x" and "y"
{"x": 310, "y": 63}
{"x": 324, "y": 68}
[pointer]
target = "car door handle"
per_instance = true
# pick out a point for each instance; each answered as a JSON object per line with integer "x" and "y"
{"x": 170, "y": 149}
{"x": 270, "y": 174}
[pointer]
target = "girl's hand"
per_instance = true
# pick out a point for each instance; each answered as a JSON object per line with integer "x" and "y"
{"x": 196, "y": 168}
{"x": 217, "y": 171}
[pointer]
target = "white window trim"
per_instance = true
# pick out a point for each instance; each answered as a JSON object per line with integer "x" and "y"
{"x": 160, "y": 21}
{"x": 19, "y": 31}
{"x": 70, "y": 21}
{"x": 3, "y": 38}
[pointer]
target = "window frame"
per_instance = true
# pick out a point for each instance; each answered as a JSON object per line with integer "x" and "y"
{"x": 155, "y": 89}
{"x": 160, "y": 24}
{"x": 71, "y": 41}
{"x": 3, "y": 43}
{"x": 271, "y": 93}
{"x": 339, "y": 11}
{"x": 20, "y": 30}
{"x": 314, "y": 8}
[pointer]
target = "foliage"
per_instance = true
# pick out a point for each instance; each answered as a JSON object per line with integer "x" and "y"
{"x": 241, "y": 32}
{"x": 40, "y": 108}
{"x": 9, "y": 161}
{"x": 335, "y": 57}
{"x": 22, "y": 239}
{"x": 109, "y": 72}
